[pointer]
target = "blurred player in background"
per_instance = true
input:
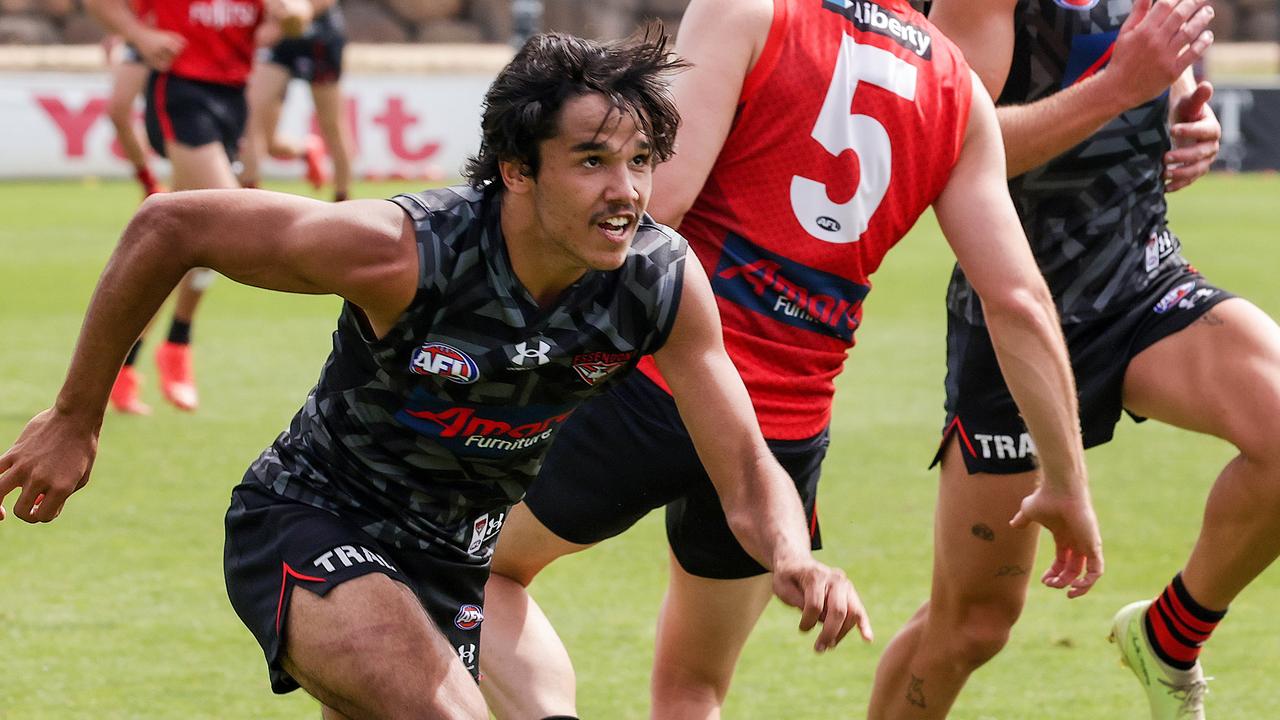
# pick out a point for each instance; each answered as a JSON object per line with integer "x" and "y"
{"x": 815, "y": 135}
{"x": 200, "y": 55}
{"x": 315, "y": 57}
{"x": 128, "y": 78}
{"x": 474, "y": 323}
{"x": 1090, "y": 94}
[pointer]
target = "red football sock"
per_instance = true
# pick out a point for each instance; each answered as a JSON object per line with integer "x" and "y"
{"x": 1177, "y": 626}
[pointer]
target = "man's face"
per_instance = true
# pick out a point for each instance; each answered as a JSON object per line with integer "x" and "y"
{"x": 593, "y": 183}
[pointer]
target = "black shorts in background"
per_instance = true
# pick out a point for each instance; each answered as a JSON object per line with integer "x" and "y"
{"x": 981, "y": 412}
{"x": 275, "y": 545}
{"x": 194, "y": 113}
{"x": 315, "y": 59}
{"x": 627, "y": 452}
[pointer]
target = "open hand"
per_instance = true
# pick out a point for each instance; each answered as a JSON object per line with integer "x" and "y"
{"x": 1157, "y": 42}
{"x": 1078, "y": 563}
{"x": 823, "y": 594}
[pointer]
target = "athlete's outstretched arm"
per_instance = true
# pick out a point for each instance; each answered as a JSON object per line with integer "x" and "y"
{"x": 1157, "y": 43}
{"x": 759, "y": 499}
{"x": 363, "y": 251}
{"x": 721, "y": 41}
{"x": 979, "y": 221}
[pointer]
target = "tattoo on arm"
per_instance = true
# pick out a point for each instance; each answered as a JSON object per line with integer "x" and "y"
{"x": 983, "y": 532}
{"x": 1011, "y": 571}
{"x": 915, "y": 692}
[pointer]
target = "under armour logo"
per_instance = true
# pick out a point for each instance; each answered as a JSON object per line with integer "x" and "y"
{"x": 467, "y": 654}
{"x": 538, "y": 355}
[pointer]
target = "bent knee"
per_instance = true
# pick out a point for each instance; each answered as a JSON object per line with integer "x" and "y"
{"x": 679, "y": 691}
{"x": 975, "y": 633}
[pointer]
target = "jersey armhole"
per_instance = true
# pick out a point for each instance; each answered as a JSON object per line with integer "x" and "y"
{"x": 769, "y": 55}
{"x": 428, "y": 256}
{"x": 664, "y": 332}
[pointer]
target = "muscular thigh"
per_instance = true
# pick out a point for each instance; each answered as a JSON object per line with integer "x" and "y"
{"x": 1220, "y": 375}
{"x": 977, "y": 556}
{"x": 282, "y": 554}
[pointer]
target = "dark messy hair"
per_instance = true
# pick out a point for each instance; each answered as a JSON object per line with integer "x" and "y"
{"x": 522, "y": 106}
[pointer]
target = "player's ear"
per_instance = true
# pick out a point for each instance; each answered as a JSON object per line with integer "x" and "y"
{"x": 515, "y": 176}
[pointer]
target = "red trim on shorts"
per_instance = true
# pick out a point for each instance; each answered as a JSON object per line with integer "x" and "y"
{"x": 813, "y": 521}
{"x": 1097, "y": 64}
{"x": 162, "y": 107}
{"x": 959, "y": 426}
{"x": 284, "y": 582}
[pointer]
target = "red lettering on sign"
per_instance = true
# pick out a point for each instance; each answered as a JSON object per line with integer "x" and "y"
{"x": 397, "y": 119}
{"x": 73, "y": 125}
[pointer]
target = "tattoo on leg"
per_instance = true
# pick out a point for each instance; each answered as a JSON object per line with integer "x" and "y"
{"x": 1209, "y": 318}
{"x": 1011, "y": 571}
{"x": 983, "y": 532}
{"x": 915, "y": 692}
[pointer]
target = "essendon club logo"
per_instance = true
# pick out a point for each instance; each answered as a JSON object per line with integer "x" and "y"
{"x": 469, "y": 617}
{"x": 446, "y": 361}
{"x": 596, "y": 366}
{"x": 786, "y": 291}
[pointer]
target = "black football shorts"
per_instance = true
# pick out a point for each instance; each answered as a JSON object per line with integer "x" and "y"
{"x": 627, "y": 452}
{"x": 275, "y": 545}
{"x": 981, "y": 413}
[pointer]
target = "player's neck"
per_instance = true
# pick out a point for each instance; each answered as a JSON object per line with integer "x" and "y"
{"x": 539, "y": 265}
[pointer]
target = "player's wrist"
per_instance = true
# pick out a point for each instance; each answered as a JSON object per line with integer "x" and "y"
{"x": 77, "y": 413}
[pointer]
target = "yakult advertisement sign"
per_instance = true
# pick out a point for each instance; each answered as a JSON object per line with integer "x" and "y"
{"x": 403, "y": 125}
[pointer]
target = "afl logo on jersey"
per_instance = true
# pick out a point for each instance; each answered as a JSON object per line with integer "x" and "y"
{"x": 469, "y": 617}
{"x": 1077, "y": 4}
{"x": 446, "y": 361}
{"x": 828, "y": 223}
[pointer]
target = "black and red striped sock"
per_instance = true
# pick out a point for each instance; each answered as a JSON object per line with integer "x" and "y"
{"x": 1177, "y": 625}
{"x": 132, "y": 357}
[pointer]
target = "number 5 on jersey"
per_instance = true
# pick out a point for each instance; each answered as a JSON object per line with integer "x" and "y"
{"x": 838, "y": 129}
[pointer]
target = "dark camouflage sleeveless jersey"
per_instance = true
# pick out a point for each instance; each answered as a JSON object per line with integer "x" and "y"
{"x": 423, "y": 433}
{"x": 1095, "y": 215}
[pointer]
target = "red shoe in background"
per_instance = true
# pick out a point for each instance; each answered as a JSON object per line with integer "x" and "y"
{"x": 177, "y": 378}
{"x": 124, "y": 393}
{"x": 317, "y": 174}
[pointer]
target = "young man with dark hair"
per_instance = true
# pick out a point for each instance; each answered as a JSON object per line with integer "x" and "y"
{"x": 476, "y": 320}
{"x": 815, "y": 135}
{"x": 1101, "y": 117}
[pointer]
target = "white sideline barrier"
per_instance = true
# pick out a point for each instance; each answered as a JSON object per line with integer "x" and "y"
{"x": 414, "y": 126}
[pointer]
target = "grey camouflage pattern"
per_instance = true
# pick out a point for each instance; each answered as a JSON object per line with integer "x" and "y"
{"x": 420, "y": 434}
{"x": 1095, "y": 215}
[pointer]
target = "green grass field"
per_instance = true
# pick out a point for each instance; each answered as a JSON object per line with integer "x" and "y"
{"x": 118, "y": 609}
